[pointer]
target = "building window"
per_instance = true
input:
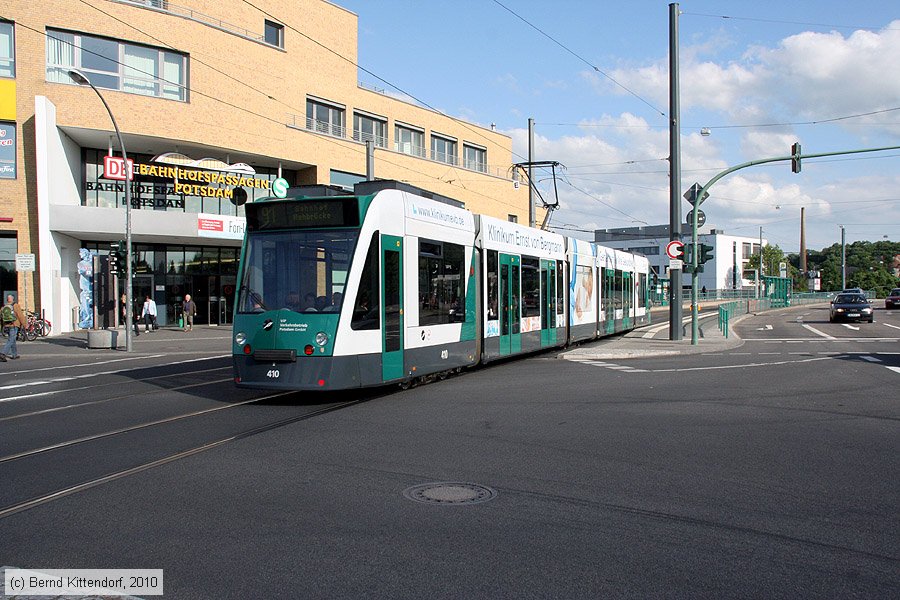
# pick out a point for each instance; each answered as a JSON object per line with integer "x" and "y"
{"x": 475, "y": 158}
{"x": 325, "y": 118}
{"x": 114, "y": 65}
{"x": 512, "y": 218}
{"x": 442, "y": 296}
{"x": 409, "y": 141}
{"x": 366, "y": 128}
{"x": 274, "y": 34}
{"x": 443, "y": 150}
{"x": 7, "y": 50}
{"x": 345, "y": 180}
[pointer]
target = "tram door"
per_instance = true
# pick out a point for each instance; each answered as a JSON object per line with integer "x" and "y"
{"x": 609, "y": 299}
{"x": 548, "y": 303}
{"x": 627, "y": 299}
{"x": 510, "y": 304}
{"x": 392, "y": 307}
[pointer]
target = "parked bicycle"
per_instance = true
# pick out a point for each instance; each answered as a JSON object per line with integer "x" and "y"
{"x": 35, "y": 326}
{"x": 41, "y": 325}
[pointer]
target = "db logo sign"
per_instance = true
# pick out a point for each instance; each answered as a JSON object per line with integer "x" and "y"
{"x": 114, "y": 168}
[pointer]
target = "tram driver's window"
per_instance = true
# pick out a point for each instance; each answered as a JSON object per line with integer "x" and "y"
{"x": 366, "y": 314}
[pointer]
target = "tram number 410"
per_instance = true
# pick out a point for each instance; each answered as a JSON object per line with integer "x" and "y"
{"x": 273, "y": 373}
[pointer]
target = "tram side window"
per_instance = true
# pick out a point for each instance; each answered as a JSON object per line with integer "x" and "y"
{"x": 493, "y": 291}
{"x": 531, "y": 287}
{"x": 366, "y": 315}
{"x": 642, "y": 290}
{"x": 560, "y": 289}
{"x": 606, "y": 290}
{"x": 441, "y": 287}
{"x": 619, "y": 290}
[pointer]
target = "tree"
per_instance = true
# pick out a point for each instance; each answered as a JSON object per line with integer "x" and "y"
{"x": 869, "y": 266}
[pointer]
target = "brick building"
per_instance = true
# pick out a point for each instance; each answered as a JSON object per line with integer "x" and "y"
{"x": 214, "y": 100}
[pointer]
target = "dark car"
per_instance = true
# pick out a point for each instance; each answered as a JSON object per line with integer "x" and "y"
{"x": 893, "y": 299}
{"x": 851, "y": 307}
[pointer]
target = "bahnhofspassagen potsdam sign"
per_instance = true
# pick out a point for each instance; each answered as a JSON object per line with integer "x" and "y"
{"x": 185, "y": 182}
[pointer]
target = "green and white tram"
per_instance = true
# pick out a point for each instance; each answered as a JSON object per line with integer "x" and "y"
{"x": 346, "y": 291}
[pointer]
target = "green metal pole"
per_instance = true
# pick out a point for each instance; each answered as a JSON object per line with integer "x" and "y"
{"x": 695, "y": 326}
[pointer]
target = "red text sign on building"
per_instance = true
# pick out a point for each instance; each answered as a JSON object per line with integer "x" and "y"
{"x": 210, "y": 225}
{"x": 114, "y": 168}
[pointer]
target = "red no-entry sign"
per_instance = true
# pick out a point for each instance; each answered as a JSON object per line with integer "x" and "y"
{"x": 675, "y": 249}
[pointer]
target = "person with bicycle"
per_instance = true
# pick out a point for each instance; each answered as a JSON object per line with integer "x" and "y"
{"x": 14, "y": 318}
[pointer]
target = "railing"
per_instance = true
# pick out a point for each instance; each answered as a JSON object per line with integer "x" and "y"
{"x": 728, "y": 310}
{"x": 310, "y": 124}
{"x": 194, "y": 15}
{"x": 365, "y": 136}
{"x": 410, "y": 149}
{"x": 306, "y": 123}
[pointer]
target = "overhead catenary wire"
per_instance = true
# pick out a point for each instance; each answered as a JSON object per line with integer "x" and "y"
{"x": 342, "y": 143}
{"x": 578, "y": 56}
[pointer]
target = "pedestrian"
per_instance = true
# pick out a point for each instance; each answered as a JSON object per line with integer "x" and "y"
{"x": 149, "y": 314}
{"x": 14, "y": 316}
{"x": 189, "y": 308}
{"x": 123, "y": 310}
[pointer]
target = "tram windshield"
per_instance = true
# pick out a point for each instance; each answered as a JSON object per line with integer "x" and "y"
{"x": 303, "y": 271}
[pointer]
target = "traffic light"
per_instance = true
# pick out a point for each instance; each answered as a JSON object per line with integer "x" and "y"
{"x": 795, "y": 157}
{"x": 705, "y": 254}
{"x": 117, "y": 257}
{"x": 688, "y": 255}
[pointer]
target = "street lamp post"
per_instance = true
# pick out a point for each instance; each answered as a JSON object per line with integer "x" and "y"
{"x": 80, "y": 79}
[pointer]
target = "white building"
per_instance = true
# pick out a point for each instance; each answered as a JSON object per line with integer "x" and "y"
{"x": 727, "y": 270}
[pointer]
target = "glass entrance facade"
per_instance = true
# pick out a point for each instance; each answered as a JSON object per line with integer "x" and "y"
{"x": 168, "y": 272}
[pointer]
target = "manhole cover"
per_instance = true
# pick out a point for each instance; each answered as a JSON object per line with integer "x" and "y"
{"x": 450, "y": 492}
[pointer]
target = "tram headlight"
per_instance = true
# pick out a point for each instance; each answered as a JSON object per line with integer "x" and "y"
{"x": 239, "y": 338}
{"x": 321, "y": 338}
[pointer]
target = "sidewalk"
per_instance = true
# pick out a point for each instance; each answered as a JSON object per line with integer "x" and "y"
{"x": 170, "y": 340}
{"x": 653, "y": 340}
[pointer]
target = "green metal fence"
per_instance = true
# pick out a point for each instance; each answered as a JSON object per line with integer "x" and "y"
{"x": 729, "y": 310}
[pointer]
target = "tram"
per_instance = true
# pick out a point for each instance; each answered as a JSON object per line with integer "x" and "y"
{"x": 392, "y": 284}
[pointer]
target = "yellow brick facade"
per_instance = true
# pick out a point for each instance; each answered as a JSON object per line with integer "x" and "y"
{"x": 243, "y": 95}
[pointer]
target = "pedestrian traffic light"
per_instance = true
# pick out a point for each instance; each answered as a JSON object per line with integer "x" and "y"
{"x": 795, "y": 157}
{"x": 705, "y": 254}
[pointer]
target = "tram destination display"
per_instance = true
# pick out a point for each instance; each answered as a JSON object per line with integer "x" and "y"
{"x": 293, "y": 214}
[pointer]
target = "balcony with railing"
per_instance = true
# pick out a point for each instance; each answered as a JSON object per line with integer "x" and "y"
{"x": 475, "y": 165}
{"x": 364, "y": 136}
{"x": 316, "y": 126}
{"x": 410, "y": 149}
{"x": 444, "y": 157}
{"x": 189, "y": 13}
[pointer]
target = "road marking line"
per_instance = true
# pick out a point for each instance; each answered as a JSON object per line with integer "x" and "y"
{"x": 871, "y": 359}
{"x": 763, "y": 364}
{"x": 889, "y": 325}
{"x": 817, "y": 332}
{"x": 849, "y": 326}
{"x": 87, "y": 375}
{"x": 894, "y": 369}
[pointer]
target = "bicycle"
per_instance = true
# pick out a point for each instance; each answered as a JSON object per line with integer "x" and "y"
{"x": 41, "y": 325}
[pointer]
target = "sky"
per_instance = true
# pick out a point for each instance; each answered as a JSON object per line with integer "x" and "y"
{"x": 594, "y": 76}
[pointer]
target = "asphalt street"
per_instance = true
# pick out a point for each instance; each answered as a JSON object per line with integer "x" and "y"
{"x": 762, "y": 465}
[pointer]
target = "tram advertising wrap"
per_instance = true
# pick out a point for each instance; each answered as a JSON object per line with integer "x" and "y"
{"x": 395, "y": 287}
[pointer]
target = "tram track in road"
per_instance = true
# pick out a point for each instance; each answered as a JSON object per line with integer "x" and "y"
{"x": 95, "y": 481}
{"x": 130, "y": 395}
